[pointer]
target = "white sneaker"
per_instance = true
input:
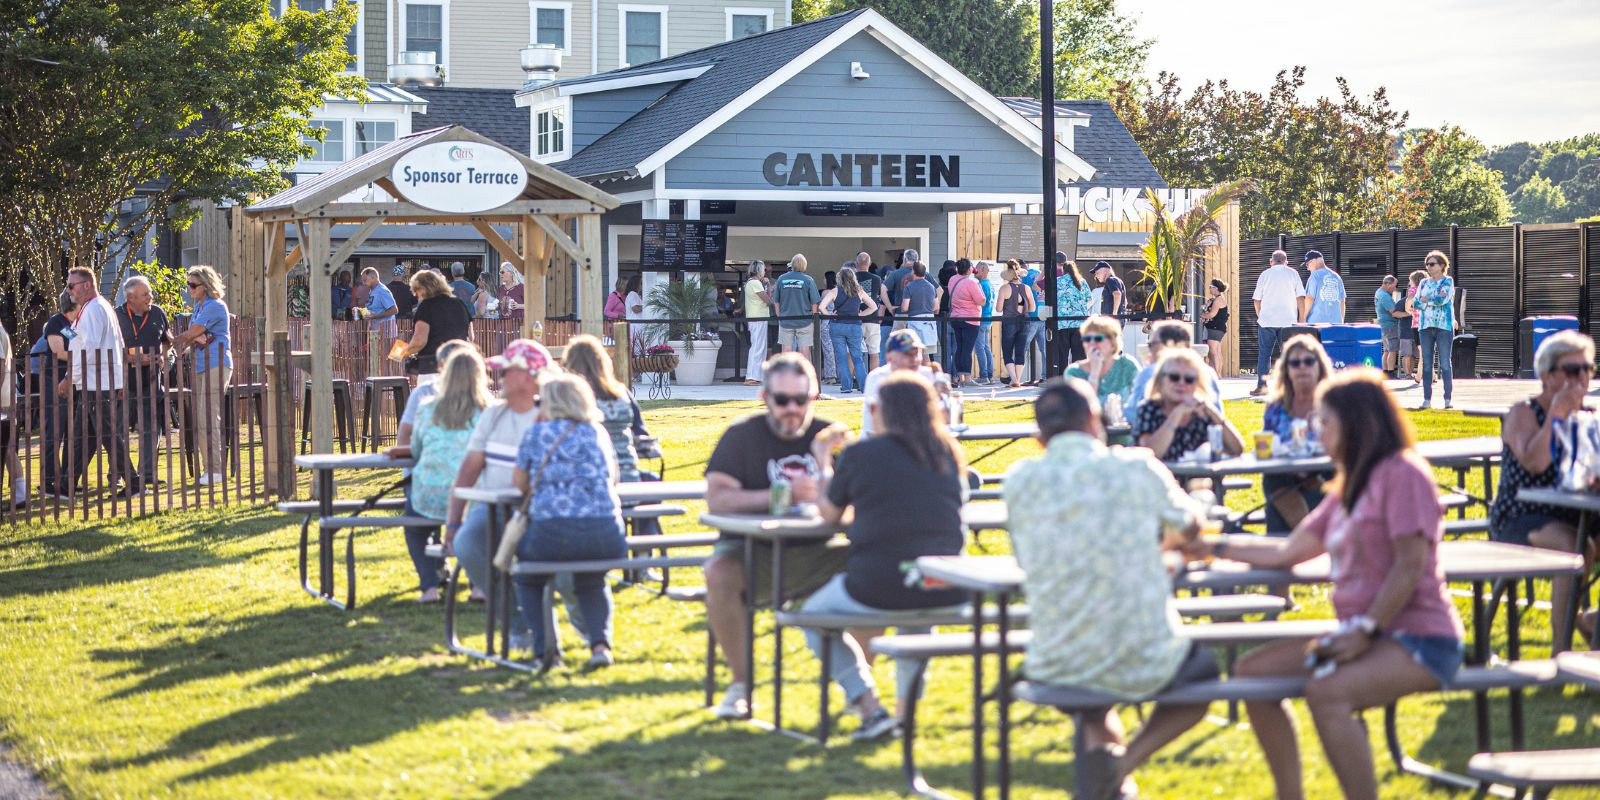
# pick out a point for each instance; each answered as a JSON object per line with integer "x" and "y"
{"x": 735, "y": 702}
{"x": 211, "y": 478}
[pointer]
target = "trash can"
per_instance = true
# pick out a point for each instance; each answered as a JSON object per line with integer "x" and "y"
{"x": 1353, "y": 344}
{"x": 1532, "y": 332}
{"x": 1464, "y": 356}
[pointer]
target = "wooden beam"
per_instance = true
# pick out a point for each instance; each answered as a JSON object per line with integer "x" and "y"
{"x": 590, "y": 298}
{"x": 349, "y": 247}
{"x": 408, "y": 211}
{"x": 317, "y": 253}
{"x": 294, "y": 255}
{"x": 502, "y": 246}
{"x": 560, "y": 237}
{"x": 535, "y": 278}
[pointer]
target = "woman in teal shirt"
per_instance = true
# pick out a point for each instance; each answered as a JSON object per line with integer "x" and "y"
{"x": 1436, "y": 329}
{"x": 439, "y": 443}
{"x": 1074, "y": 302}
{"x": 1109, "y": 370}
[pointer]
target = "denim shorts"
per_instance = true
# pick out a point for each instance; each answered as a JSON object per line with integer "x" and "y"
{"x": 1440, "y": 655}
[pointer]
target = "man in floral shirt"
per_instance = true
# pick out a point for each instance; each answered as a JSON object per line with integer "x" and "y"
{"x": 1101, "y": 599}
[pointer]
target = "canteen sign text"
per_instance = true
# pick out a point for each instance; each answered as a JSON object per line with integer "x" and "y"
{"x": 893, "y": 170}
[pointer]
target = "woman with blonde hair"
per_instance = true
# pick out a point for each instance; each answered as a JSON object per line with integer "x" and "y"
{"x": 438, "y": 442}
{"x": 1175, "y": 418}
{"x": 1301, "y": 369}
{"x": 1109, "y": 370}
{"x": 511, "y": 306}
{"x": 1434, "y": 305}
{"x": 439, "y": 318}
{"x": 566, "y": 469}
{"x": 587, "y": 358}
{"x": 208, "y": 334}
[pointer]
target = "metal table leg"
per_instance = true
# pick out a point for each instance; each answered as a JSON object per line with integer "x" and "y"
{"x": 1003, "y": 695}
{"x": 977, "y": 695}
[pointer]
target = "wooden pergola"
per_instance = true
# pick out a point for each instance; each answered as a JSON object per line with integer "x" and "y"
{"x": 556, "y": 218}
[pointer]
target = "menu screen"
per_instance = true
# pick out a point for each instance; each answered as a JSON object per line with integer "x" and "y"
{"x": 683, "y": 245}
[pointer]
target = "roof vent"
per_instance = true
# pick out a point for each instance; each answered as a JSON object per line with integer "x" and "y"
{"x": 417, "y": 69}
{"x": 541, "y": 61}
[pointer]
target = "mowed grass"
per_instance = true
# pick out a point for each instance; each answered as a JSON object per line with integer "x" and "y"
{"x": 175, "y": 656}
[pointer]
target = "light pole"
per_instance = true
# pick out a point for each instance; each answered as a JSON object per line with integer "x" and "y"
{"x": 1047, "y": 119}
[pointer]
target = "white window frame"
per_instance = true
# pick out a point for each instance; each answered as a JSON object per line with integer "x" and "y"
{"x": 444, "y": 28}
{"x": 353, "y": 143}
{"x": 729, "y": 13}
{"x": 566, "y": 16}
{"x": 622, "y": 29}
{"x": 360, "y": 67}
{"x": 563, "y": 105}
{"x": 344, "y": 140}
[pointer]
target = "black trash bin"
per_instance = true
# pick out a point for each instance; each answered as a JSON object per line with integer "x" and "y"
{"x": 1464, "y": 355}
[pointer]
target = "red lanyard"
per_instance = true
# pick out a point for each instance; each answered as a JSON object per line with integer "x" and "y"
{"x": 138, "y": 327}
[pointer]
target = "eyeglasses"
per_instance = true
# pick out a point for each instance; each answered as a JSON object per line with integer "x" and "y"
{"x": 195, "y": 285}
{"x": 1574, "y": 370}
{"x": 1095, "y": 337}
{"x": 1297, "y": 363}
{"x": 74, "y": 285}
{"x": 1189, "y": 380}
{"x": 797, "y": 400}
{"x": 1432, "y": 262}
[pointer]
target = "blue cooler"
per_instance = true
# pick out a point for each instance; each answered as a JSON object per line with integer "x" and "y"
{"x": 1532, "y": 333}
{"x": 1353, "y": 344}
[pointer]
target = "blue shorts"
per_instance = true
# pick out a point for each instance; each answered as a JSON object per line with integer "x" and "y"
{"x": 1516, "y": 530}
{"x": 1440, "y": 655}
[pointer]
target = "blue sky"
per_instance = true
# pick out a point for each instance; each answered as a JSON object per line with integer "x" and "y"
{"x": 1505, "y": 71}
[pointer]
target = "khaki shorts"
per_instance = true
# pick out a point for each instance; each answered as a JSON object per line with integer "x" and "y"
{"x": 869, "y": 337}
{"x": 797, "y": 338}
{"x": 805, "y": 567}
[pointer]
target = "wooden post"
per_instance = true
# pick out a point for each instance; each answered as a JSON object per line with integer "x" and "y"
{"x": 317, "y": 249}
{"x": 621, "y": 353}
{"x": 280, "y": 408}
{"x": 279, "y": 461}
{"x": 590, "y": 298}
{"x": 535, "y": 276}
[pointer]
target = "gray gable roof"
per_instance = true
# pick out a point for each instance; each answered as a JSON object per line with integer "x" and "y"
{"x": 1106, "y": 143}
{"x": 491, "y": 112}
{"x": 737, "y": 67}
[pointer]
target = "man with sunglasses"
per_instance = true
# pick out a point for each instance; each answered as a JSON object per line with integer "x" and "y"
{"x": 751, "y": 454}
{"x": 98, "y": 373}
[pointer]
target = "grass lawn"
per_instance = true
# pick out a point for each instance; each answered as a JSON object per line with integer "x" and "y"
{"x": 174, "y": 656}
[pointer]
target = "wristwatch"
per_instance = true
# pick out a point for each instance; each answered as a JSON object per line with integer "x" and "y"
{"x": 1366, "y": 625}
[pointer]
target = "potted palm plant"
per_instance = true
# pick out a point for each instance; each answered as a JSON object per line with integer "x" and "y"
{"x": 1178, "y": 243}
{"x": 693, "y": 298}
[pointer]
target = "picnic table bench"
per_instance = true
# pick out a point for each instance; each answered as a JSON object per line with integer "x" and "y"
{"x": 334, "y": 515}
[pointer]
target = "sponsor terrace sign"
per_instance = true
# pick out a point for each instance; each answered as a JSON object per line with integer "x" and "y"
{"x": 459, "y": 177}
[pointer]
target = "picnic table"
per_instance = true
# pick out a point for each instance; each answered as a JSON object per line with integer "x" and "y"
{"x": 1001, "y": 577}
{"x": 1587, "y": 504}
{"x": 1581, "y": 668}
{"x": 1010, "y": 433}
{"x": 323, "y": 466}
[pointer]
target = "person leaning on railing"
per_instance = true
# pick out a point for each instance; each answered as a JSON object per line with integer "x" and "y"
{"x": 145, "y": 332}
{"x": 98, "y": 361}
{"x": 439, "y": 318}
{"x": 47, "y": 361}
{"x": 208, "y": 334}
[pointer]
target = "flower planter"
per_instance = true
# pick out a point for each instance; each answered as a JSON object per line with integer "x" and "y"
{"x": 666, "y": 362}
{"x": 696, "y": 368}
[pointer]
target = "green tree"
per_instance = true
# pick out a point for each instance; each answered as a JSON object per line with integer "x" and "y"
{"x": 172, "y": 100}
{"x": 1539, "y": 200}
{"x": 994, "y": 42}
{"x": 1583, "y": 189}
{"x": 1320, "y": 164}
{"x": 807, "y": 10}
{"x": 1456, "y": 186}
{"x": 1096, "y": 49}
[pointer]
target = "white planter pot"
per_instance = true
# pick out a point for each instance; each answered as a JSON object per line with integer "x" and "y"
{"x": 698, "y": 368}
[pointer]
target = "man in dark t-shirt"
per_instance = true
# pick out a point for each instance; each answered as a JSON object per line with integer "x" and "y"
{"x": 404, "y": 301}
{"x": 145, "y": 332}
{"x": 1114, "y": 300}
{"x": 739, "y": 475}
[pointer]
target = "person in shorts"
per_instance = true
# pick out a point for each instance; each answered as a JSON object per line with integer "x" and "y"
{"x": 1384, "y": 305}
{"x": 796, "y": 295}
{"x": 871, "y": 327}
{"x": 739, "y": 475}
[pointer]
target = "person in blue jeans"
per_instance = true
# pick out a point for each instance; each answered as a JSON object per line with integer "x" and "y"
{"x": 1436, "y": 302}
{"x": 845, "y": 305}
{"x": 567, "y": 470}
{"x": 1033, "y": 332}
{"x": 984, "y": 353}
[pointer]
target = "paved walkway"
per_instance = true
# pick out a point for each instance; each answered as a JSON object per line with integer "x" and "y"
{"x": 17, "y": 782}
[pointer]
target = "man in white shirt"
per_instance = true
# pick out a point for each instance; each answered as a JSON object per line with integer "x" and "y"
{"x": 903, "y": 351}
{"x": 1277, "y": 301}
{"x": 98, "y": 368}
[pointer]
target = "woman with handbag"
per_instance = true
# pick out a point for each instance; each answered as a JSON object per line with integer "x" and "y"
{"x": 566, "y": 470}
{"x": 440, "y": 317}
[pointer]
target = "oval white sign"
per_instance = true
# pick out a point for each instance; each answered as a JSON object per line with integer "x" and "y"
{"x": 459, "y": 177}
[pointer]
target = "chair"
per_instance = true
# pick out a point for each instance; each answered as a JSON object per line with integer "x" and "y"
{"x": 396, "y": 387}
{"x": 342, "y": 415}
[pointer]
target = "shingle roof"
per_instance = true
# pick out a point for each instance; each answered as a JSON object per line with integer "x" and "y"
{"x": 491, "y": 112}
{"x": 738, "y": 66}
{"x": 1106, "y": 143}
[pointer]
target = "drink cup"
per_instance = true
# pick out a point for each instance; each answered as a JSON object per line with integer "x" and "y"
{"x": 1263, "y": 444}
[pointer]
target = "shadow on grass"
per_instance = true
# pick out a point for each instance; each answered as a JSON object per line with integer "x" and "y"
{"x": 1556, "y": 718}
{"x": 122, "y": 555}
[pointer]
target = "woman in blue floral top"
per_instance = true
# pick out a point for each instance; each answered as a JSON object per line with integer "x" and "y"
{"x": 1302, "y": 368}
{"x": 439, "y": 438}
{"x": 1074, "y": 298}
{"x": 566, "y": 460}
{"x": 1436, "y": 328}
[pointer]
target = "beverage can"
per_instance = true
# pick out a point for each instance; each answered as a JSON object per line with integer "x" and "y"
{"x": 957, "y": 408}
{"x": 782, "y": 491}
{"x": 1297, "y": 436}
{"x": 1264, "y": 445}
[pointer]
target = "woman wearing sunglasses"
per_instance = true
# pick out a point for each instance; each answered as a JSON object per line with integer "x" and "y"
{"x": 1530, "y": 456}
{"x": 1435, "y": 303}
{"x": 1300, "y": 371}
{"x": 1109, "y": 370}
{"x": 1174, "y": 419}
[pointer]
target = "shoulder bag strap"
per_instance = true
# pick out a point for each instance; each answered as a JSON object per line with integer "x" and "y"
{"x": 533, "y": 482}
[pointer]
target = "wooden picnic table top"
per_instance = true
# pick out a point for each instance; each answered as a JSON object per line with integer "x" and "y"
{"x": 1578, "y": 501}
{"x": 979, "y": 516}
{"x": 992, "y": 431}
{"x": 1439, "y": 452}
{"x": 321, "y": 461}
{"x": 630, "y": 493}
{"x": 1461, "y": 560}
{"x": 1580, "y": 667}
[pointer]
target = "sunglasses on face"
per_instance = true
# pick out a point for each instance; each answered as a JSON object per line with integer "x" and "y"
{"x": 1574, "y": 370}
{"x": 1188, "y": 380}
{"x": 195, "y": 285}
{"x": 76, "y": 285}
{"x": 781, "y": 399}
{"x": 1297, "y": 363}
{"x": 1431, "y": 263}
{"x": 1095, "y": 337}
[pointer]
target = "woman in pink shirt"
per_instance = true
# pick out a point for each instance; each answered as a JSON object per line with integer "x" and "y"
{"x": 966, "y": 301}
{"x": 1380, "y": 524}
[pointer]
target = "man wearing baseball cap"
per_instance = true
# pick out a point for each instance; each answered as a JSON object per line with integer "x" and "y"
{"x": 1114, "y": 298}
{"x": 491, "y": 458}
{"x": 903, "y": 351}
{"x": 405, "y": 302}
{"x": 1324, "y": 299}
